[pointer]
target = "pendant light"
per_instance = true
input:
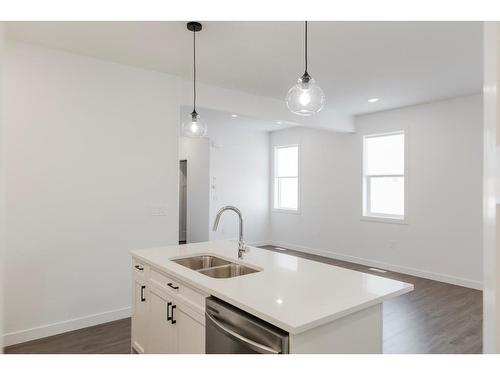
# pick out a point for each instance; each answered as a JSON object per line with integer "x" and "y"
{"x": 193, "y": 126}
{"x": 305, "y": 98}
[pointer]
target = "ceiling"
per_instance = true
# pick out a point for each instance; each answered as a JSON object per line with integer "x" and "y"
{"x": 402, "y": 63}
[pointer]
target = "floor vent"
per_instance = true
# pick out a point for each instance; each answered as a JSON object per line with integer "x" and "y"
{"x": 377, "y": 270}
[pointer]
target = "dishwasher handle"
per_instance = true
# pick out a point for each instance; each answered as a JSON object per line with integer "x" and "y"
{"x": 260, "y": 348}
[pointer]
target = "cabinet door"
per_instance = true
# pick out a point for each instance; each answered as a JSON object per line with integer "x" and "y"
{"x": 190, "y": 332}
{"x": 161, "y": 336}
{"x": 140, "y": 316}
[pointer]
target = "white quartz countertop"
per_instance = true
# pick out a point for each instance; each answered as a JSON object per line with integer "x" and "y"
{"x": 292, "y": 293}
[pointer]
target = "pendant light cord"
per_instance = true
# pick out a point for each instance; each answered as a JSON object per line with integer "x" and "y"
{"x": 305, "y": 49}
{"x": 194, "y": 71}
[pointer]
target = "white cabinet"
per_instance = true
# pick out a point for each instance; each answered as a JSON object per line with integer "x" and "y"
{"x": 190, "y": 332}
{"x": 161, "y": 330}
{"x": 167, "y": 316}
{"x": 140, "y": 313}
{"x": 173, "y": 327}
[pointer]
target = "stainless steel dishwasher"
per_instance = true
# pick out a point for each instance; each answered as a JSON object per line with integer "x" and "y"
{"x": 230, "y": 330}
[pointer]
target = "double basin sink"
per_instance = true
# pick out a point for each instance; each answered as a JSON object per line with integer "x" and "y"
{"x": 214, "y": 266}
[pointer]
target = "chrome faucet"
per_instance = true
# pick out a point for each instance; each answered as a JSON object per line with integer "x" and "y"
{"x": 242, "y": 248}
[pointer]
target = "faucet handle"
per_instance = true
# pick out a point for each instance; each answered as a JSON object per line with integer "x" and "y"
{"x": 243, "y": 247}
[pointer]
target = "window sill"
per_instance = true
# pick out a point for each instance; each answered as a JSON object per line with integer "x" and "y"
{"x": 387, "y": 220}
{"x": 286, "y": 211}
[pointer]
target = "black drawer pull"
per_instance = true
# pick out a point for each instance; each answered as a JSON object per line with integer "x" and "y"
{"x": 169, "y": 317}
{"x": 140, "y": 268}
{"x": 143, "y": 298}
{"x": 172, "y": 315}
{"x": 172, "y": 286}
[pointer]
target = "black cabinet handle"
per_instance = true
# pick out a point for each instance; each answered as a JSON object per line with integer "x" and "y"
{"x": 143, "y": 298}
{"x": 169, "y": 317}
{"x": 140, "y": 268}
{"x": 172, "y": 286}
{"x": 172, "y": 316}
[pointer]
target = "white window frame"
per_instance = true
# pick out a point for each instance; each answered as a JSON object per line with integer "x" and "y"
{"x": 366, "y": 215}
{"x": 274, "y": 177}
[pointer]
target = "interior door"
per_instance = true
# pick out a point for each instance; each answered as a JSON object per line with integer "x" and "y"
{"x": 162, "y": 333}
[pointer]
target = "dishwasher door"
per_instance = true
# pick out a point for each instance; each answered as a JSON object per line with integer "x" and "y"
{"x": 230, "y": 330}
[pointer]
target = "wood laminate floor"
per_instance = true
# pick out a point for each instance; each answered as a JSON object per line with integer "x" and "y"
{"x": 107, "y": 338}
{"x": 434, "y": 318}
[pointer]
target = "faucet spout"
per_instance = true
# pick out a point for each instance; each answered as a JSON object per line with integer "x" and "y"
{"x": 242, "y": 248}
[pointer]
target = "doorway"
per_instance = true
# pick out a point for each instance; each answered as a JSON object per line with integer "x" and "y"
{"x": 182, "y": 201}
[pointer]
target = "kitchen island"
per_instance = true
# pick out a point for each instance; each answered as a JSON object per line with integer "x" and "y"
{"x": 324, "y": 308}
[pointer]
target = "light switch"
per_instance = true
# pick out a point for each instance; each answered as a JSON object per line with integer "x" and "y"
{"x": 159, "y": 211}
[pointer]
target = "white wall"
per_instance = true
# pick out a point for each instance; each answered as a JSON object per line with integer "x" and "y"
{"x": 239, "y": 175}
{"x": 197, "y": 154}
{"x": 491, "y": 227}
{"x": 443, "y": 238}
{"x": 91, "y": 152}
{"x": 2, "y": 196}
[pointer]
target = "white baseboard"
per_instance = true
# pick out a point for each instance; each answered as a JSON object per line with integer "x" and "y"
{"x": 259, "y": 243}
{"x": 474, "y": 284}
{"x": 17, "y": 337}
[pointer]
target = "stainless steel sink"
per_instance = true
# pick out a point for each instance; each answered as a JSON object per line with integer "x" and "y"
{"x": 227, "y": 271}
{"x": 213, "y": 266}
{"x": 199, "y": 262}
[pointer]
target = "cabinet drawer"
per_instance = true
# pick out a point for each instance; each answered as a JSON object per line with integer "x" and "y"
{"x": 179, "y": 289}
{"x": 140, "y": 268}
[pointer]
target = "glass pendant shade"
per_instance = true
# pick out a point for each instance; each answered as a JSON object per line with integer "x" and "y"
{"x": 193, "y": 126}
{"x": 305, "y": 98}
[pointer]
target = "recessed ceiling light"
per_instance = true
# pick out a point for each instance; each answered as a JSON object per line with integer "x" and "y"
{"x": 279, "y": 301}
{"x": 373, "y": 100}
{"x": 234, "y": 116}
{"x": 279, "y": 122}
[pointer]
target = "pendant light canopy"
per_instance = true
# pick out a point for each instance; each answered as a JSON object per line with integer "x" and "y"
{"x": 193, "y": 126}
{"x": 306, "y": 97}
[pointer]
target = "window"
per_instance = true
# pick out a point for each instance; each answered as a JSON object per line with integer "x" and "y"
{"x": 384, "y": 176}
{"x": 286, "y": 178}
